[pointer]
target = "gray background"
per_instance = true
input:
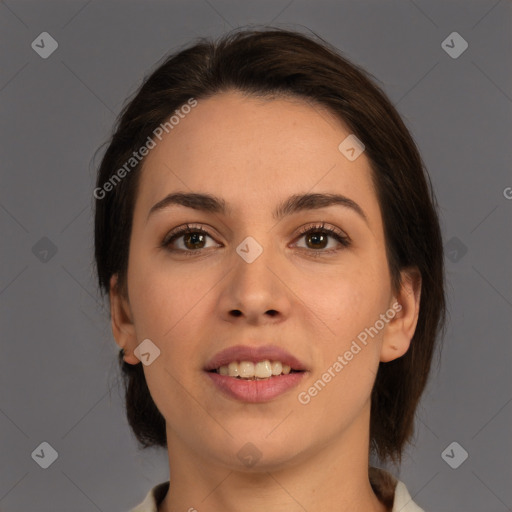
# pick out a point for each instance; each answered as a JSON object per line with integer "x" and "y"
{"x": 58, "y": 370}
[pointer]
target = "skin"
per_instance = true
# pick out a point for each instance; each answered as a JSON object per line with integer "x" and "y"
{"x": 255, "y": 153}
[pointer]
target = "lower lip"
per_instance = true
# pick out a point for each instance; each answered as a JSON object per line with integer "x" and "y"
{"x": 256, "y": 391}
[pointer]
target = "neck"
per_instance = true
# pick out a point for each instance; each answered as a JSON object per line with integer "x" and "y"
{"x": 329, "y": 477}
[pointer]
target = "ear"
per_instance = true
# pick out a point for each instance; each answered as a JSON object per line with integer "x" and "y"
{"x": 122, "y": 322}
{"x": 400, "y": 329}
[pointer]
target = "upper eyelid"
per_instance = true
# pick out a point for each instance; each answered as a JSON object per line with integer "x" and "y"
{"x": 323, "y": 226}
{"x": 182, "y": 230}
{"x": 303, "y": 230}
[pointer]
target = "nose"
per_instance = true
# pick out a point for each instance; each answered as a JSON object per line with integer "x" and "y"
{"x": 255, "y": 291}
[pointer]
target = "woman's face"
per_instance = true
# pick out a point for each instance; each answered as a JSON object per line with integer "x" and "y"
{"x": 307, "y": 294}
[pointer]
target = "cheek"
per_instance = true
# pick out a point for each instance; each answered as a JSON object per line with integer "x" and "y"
{"x": 163, "y": 294}
{"x": 171, "y": 304}
{"x": 343, "y": 302}
{"x": 340, "y": 395}
{"x": 348, "y": 357}
{"x": 167, "y": 309}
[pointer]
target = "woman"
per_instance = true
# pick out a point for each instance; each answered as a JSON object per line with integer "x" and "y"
{"x": 268, "y": 237}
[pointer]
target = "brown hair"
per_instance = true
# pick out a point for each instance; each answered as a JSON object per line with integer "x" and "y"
{"x": 272, "y": 62}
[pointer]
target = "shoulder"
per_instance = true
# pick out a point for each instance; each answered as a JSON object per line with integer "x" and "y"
{"x": 403, "y": 500}
{"x": 153, "y": 498}
{"x": 391, "y": 491}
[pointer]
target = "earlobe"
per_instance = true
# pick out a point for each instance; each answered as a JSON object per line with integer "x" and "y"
{"x": 400, "y": 330}
{"x": 121, "y": 321}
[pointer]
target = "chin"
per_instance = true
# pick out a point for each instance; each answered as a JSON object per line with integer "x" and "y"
{"x": 254, "y": 452}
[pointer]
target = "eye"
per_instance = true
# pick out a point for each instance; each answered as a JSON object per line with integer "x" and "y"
{"x": 317, "y": 238}
{"x": 193, "y": 239}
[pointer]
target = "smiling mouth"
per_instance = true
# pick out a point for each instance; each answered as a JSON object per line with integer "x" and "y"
{"x": 255, "y": 382}
{"x": 247, "y": 370}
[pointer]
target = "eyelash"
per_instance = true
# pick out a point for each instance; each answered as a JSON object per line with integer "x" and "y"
{"x": 319, "y": 228}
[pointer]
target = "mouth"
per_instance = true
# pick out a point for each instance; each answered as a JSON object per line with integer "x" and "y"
{"x": 261, "y": 370}
{"x": 255, "y": 374}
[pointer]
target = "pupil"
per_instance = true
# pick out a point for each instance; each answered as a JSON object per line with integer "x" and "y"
{"x": 194, "y": 239}
{"x": 317, "y": 238}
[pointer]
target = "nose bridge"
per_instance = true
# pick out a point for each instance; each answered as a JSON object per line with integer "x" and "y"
{"x": 254, "y": 256}
{"x": 254, "y": 289}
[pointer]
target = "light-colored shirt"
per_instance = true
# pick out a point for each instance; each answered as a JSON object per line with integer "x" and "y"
{"x": 390, "y": 491}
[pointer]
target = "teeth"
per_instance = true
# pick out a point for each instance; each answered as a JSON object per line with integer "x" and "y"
{"x": 277, "y": 368}
{"x": 248, "y": 370}
{"x": 233, "y": 369}
{"x": 263, "y": 370}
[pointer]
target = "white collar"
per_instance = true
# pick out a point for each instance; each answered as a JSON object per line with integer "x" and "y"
{"x": 402, "y": 500}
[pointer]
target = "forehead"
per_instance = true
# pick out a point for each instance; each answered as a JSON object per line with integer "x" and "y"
{"x": 251, "y": 151}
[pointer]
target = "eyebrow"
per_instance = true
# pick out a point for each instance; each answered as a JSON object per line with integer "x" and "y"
{"x": 294, "y": 204}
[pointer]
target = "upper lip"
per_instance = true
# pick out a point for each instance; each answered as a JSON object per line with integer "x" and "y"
{"x": 253, "y": 354}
